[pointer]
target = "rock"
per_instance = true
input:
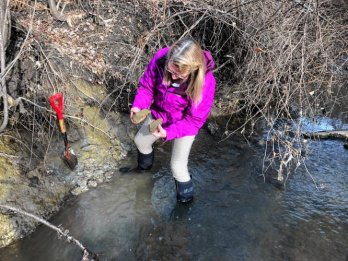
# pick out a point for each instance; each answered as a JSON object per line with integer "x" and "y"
{"x": 213, "y": 128}
{"x": 78, "y": 190}
{"x": 346, "y": 145}
{"x": 34, "y": 181}
{"x": 163, "y": 197}
{"x": 92, "y": 183}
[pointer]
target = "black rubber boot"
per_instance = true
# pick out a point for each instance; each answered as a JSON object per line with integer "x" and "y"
{"x": 145, "y": 162}
{"x": 184, "y": 191}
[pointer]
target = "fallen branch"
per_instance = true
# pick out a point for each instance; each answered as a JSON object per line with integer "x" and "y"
{"x": 21, "y": 142}
{"x": 2, "y": 154}
{"x": 60, "y": 16}
{"x": 87, "y": 255}
{"x": 327, "y": 135}
{"x": 55, "y": 13}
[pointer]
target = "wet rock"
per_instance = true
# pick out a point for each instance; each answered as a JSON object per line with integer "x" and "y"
{"x": 213, "y": 128}
{"x": 163, "y": 197}
{"x": 92, "y": 183}
{"x": 108, "y": 175}
{"x": 34, "y": 181}
{"x": 78, "y": 190}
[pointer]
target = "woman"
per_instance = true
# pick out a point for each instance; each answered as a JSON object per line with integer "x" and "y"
{"x": 178, "y": 87}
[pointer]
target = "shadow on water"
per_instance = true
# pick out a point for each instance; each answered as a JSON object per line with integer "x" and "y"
{"x": 235, "y": 215}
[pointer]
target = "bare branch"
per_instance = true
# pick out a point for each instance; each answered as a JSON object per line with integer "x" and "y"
{"x": 87, "y": 255}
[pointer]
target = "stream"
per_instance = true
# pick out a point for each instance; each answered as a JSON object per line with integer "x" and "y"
{"x": 235, "y": 214}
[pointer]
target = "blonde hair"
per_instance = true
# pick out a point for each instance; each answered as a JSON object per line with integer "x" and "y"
{"x": 187, "y": 55}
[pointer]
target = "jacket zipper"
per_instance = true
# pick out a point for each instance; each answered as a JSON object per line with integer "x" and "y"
{"x": 165, "y": 95}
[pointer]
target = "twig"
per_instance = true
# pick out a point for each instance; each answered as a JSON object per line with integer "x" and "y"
{"x": 64, "y": 233}
{"x": 88, "y": 96}
{"x": 8, "y": 155}
{"x": 55, "y": 12}
{"x": 66, "y": 116}
{"x": 194, "y": 25}
{"x": 21, "y": 142}
{"x": 81, "y": 120}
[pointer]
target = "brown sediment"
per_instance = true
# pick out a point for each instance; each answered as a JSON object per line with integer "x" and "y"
{"x": 154, "y": 124}
{"x": 140, "y": 115}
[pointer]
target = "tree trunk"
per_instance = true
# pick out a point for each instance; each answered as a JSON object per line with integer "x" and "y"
{"x": 7, "y": 29}
{"x": 4, "y": 32}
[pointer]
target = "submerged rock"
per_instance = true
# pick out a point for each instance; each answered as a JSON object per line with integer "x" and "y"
{"x": 163, "y": 196}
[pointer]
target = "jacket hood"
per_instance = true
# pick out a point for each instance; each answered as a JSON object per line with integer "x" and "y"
{"x": 209, "y": 61}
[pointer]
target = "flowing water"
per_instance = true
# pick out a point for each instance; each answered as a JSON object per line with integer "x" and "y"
{"x": 235, "y": 214}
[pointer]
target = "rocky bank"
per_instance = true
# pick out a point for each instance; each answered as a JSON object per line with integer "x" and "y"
{"x": 86, "y": 61}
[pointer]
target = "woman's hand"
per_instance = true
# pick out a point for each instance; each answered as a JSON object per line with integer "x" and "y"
{"x": 137, "y": 115}
{"x": 133, "y": 111}
{"x": 160, "y": 132}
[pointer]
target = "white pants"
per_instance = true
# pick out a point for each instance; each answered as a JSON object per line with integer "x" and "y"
{"x": 180, "y": 152}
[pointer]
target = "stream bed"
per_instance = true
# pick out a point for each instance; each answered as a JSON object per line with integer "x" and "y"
{"x": 235, "y": 214}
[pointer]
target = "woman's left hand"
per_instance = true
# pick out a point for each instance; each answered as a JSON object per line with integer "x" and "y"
{"x": 160, "y": 132}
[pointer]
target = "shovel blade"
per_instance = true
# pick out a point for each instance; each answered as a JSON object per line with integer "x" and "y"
{"x": 70, "y": 158}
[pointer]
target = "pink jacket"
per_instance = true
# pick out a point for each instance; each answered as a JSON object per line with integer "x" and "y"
{"x": 181, "y": 117}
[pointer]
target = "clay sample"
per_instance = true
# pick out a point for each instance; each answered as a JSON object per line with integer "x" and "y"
{"x": 140, "y": 116}
{"x": 154, "y": 124}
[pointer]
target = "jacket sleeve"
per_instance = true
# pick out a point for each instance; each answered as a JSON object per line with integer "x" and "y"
{"x": 144, "y": 96}
{"x": 196, "y": 115}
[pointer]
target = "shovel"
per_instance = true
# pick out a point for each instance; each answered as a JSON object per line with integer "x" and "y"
{"x": 69, "y": 156}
